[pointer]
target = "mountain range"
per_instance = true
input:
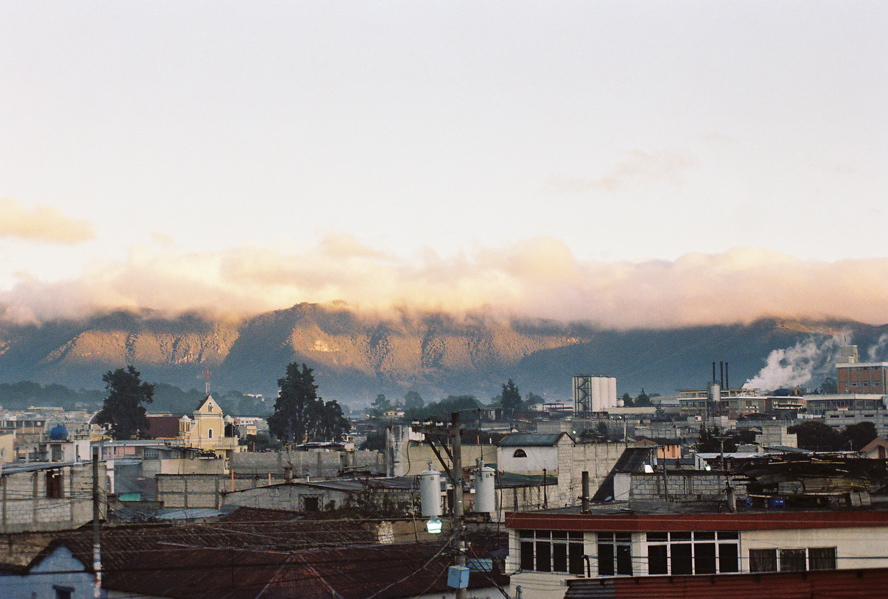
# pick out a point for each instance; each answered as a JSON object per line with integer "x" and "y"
{"x": 355, "y": 357}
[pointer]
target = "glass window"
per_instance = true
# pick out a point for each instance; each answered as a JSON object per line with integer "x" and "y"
{"x": 658, "y": 559}
{"x": 551, "y": 551}
{"x": 792, "y": 560}
{"x": 681, "y": 558}
{"x": 728, "y": 557}
{"x": 704, "y": 558}
{"x": 543, "y": 556}
{"x": 822, "y": 558}
{"x": 614, "y": 553}
{"x": 527, "y": 555}
{"x": 762, "y": 560}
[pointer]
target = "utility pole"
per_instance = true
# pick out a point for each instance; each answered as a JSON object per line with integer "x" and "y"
{"x": 97, "y": 539}
{"x": 454, "y": 473}
{"x": 456, "y": 433}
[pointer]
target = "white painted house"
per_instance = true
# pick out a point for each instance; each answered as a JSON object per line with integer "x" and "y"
{"x": 548, "y": 548}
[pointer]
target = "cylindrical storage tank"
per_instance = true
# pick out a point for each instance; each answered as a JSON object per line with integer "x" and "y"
{"x": 430, "y": 493}
{"x": 611, "y": 392}
{"x": 596, "y": 394}
{"x": 485, "y": 490}
{"x": 714, "y": 392}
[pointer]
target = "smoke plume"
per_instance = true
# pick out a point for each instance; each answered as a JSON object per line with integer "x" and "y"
{"x": 796, "y": 366}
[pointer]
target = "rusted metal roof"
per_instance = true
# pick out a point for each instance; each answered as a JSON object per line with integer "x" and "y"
{"x": 844, "y": 584}
{"x": 379, "y": 571}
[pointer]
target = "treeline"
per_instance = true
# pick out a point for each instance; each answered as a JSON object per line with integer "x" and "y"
{"x": 168, "y": 399}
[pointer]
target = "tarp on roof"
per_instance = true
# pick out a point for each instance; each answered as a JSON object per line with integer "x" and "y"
{"x": 530, "y": 440}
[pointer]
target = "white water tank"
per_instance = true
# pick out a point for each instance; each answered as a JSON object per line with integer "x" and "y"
{"x": 485, "y": 490}
{"x": 430, "y": 493}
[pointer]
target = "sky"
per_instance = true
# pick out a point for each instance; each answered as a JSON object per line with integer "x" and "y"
{"x": 624, "y": 163}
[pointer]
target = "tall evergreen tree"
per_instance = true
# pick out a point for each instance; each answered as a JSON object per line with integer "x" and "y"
{"x": 295, "y": 410}
{"x": 511, "y": 398}
{"x": 123, "y": 408}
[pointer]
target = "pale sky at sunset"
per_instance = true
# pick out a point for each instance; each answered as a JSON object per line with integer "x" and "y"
{"x": 629, "y": 163}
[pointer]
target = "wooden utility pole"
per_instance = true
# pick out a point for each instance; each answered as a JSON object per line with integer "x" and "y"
{"x": 454, "y": 473}
{"x": 96, "y": 530}
{"x": 456, "y": 433}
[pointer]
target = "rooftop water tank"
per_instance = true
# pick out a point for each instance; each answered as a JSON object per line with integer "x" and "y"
{"x": 58, "y": 433}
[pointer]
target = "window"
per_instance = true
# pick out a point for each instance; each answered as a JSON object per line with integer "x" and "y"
{"x": 312, "y": 504}
{"x": 822, "y": 558}
{"x": 54, "y": 487}
{"x": 792, "y": 560}
{"x": 702, "y": 552}
{"x": 519, "y": 453}
{"x": 63, "y": 592}
{"x": 762, "y": 560}
{"x": 614, "y": 553}
{"x": 209, "y": 433}
{"x": 551, "y": 551}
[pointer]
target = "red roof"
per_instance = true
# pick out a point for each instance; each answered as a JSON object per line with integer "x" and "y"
{"x": 843, "y": 584}
{"x": 380, "y": 571}
{"x": 163, "y": 427}
{"x": 632, "y": 522}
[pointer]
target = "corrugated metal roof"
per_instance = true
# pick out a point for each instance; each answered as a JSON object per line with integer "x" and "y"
{"x": 844, "y": 584}
{"x": 530, "y": 440}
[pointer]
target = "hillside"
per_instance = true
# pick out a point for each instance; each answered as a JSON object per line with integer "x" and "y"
{"x": 357, "y": 357}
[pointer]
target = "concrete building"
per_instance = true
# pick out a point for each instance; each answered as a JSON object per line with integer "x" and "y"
{"x": 47, "y": 496}
{"x": 546, "y": 549}
{"x": 862, "y": 377}
{"x": 561, "y": 458}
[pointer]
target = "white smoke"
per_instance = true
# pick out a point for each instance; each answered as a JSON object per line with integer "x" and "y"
{"x": 795, "y": 366}
{"x": 875, "y": 352}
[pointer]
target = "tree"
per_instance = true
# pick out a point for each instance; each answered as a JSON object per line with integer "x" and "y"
{"x": 260, "y": 442}
{"x": 816, "y": 436}
{"x": 295, "y": 410}
{"x": 380, "y": 406}
{"x": 856, "y": 436}
{"x": 511, "y": 398}
{"x": 334, "y": 424}
{"x": 123, "y": 409}
{"x": 375, "y": 441}
{"x": 628, "y": 402}
{"x": 711, "y": 440}
{"x": 643, "y": 400}
{"x": 532, "y": 399}
{"x": 413, "y": 401}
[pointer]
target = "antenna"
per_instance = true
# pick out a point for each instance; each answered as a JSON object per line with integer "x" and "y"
{"x": 207, "y": 378}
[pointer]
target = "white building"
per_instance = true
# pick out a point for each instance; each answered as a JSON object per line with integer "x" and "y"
{"x": 548, "y": 548}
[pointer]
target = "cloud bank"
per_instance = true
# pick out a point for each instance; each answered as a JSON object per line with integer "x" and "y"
{"x": 42, "y": 223}
{"x": 538, "y": 278}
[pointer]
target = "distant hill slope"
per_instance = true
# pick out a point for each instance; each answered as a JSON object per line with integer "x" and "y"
{"x": 357, "y": 357}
